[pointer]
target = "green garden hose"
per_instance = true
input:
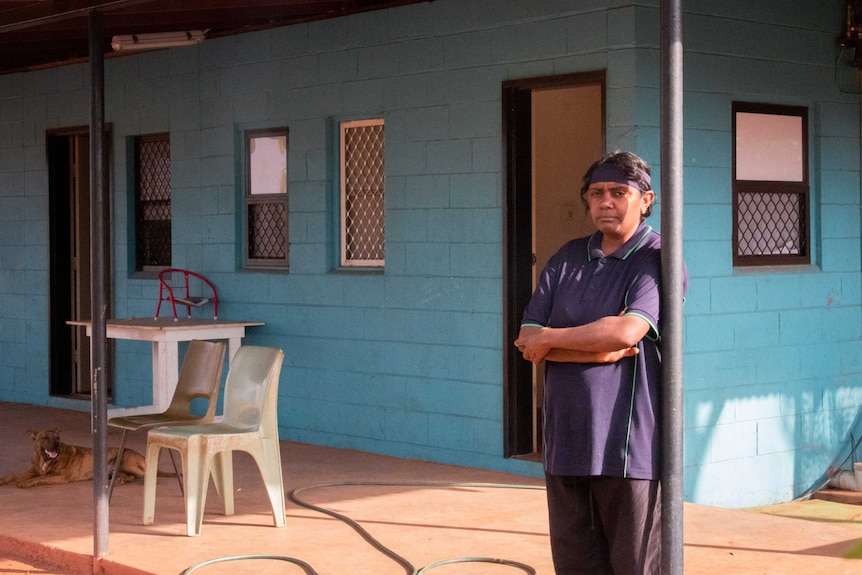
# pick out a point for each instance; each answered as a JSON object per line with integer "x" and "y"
{"x": 409, "y": 569}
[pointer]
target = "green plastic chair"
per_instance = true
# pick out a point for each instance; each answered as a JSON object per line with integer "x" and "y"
{"x": 250, "y": 423}
{"x": 199, "y": 379}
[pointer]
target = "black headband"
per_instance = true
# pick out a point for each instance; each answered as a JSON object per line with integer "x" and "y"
{"x": 608, "y": 172}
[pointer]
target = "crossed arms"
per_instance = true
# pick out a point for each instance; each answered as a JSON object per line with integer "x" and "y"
{"x": 605, "y": 340}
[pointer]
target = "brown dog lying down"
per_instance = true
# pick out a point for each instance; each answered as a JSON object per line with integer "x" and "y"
{"x": 55, "y": 462}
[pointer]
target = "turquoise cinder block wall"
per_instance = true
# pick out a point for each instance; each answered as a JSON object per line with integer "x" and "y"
{"x": 408, "y": 361}
{"x": 772, "y": 373}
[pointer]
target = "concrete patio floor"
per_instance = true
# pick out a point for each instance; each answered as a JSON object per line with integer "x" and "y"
{"x": 423, "y": 512}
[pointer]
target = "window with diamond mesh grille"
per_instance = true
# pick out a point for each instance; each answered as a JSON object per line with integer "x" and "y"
{"x": 770, "y": 185}
{"x": 362, "y": 193}
{"x": 266, "y": 198}
{"x": 769, "y": 223}
{"x": 152, "y": 202}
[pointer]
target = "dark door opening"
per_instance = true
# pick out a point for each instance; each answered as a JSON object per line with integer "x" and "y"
{"x": 68, "y": 153}
{"x": 553, "y": 130}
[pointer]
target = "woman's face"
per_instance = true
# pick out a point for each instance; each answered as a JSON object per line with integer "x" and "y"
{"x": 616, "y": 209}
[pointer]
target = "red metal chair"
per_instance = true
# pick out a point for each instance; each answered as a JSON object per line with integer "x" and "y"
{"x": 184, "y": 287}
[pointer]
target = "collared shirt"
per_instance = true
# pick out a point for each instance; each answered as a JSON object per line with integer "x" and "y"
{"x": 602, "y": 419}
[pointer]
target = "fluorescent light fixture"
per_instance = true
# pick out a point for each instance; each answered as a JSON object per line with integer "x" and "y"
{"x": 137, "y": 42}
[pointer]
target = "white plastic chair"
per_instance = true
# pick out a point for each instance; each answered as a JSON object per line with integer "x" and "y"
{"x": 199, "y": 378}
{"x": 250, "y": 423}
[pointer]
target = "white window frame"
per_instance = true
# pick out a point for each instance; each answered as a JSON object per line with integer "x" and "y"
{"x": 345, "y": 259}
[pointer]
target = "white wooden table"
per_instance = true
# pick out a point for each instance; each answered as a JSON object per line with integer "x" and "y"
{"x": 165, "y": 333}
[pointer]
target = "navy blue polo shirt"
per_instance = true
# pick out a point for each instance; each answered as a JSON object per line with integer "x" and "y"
{"x": 602, "y": 419}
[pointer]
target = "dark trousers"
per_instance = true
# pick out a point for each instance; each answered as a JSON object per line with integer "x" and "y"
{"x": 604, "y": 525}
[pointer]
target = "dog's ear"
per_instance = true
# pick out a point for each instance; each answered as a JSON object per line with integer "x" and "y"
{"x": 32, "y": 433}
{"x": 56, "y": 431}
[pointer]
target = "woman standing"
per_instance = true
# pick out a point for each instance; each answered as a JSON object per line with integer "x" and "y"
{"x": 594, "y": 318}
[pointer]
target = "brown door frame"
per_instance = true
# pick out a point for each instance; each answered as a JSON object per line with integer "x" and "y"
{"x": 518, "y": 259}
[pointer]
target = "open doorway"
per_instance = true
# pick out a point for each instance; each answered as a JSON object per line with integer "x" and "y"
{"x": 68, "y": 154}
{"x": 553, "y": 130}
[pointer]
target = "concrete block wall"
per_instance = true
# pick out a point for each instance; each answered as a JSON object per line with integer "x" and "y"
{"x": 772, "y": 381}
{"x": 23, "y": 227}
{"x": 405, "y": 361}
{"x": 408, "y": 361}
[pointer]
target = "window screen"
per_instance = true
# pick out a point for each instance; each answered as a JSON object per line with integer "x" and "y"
{"x": 266, "y": 198}
{"x": 770, "y": 185}
{"x": 152, "y": 202}
{"x": 362, "y": 193}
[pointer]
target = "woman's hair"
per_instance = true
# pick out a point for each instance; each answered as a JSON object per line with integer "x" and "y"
{"x": 635, "y": 169}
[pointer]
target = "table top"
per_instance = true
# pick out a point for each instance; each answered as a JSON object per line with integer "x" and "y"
{"x": 168, "y": 329}
{"x": 169, "y": 323}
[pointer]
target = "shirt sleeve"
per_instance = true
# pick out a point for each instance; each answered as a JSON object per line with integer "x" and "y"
{"x": 643, "y": 296}
{"x": 538, "y": 311}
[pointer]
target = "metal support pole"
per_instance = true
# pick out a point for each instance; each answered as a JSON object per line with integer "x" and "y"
{"x": 672, "y": 285}
{"x": 98, "y": 286}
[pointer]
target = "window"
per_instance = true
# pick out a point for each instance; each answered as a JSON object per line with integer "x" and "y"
{"x": 770, "y": 185}
{"x": 362, "y": 193}
{"x": 152, "y": 174}
{"x": 266, "y": 198}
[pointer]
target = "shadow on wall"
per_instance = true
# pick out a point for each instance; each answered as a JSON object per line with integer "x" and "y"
{"x": 743, "y": 451}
